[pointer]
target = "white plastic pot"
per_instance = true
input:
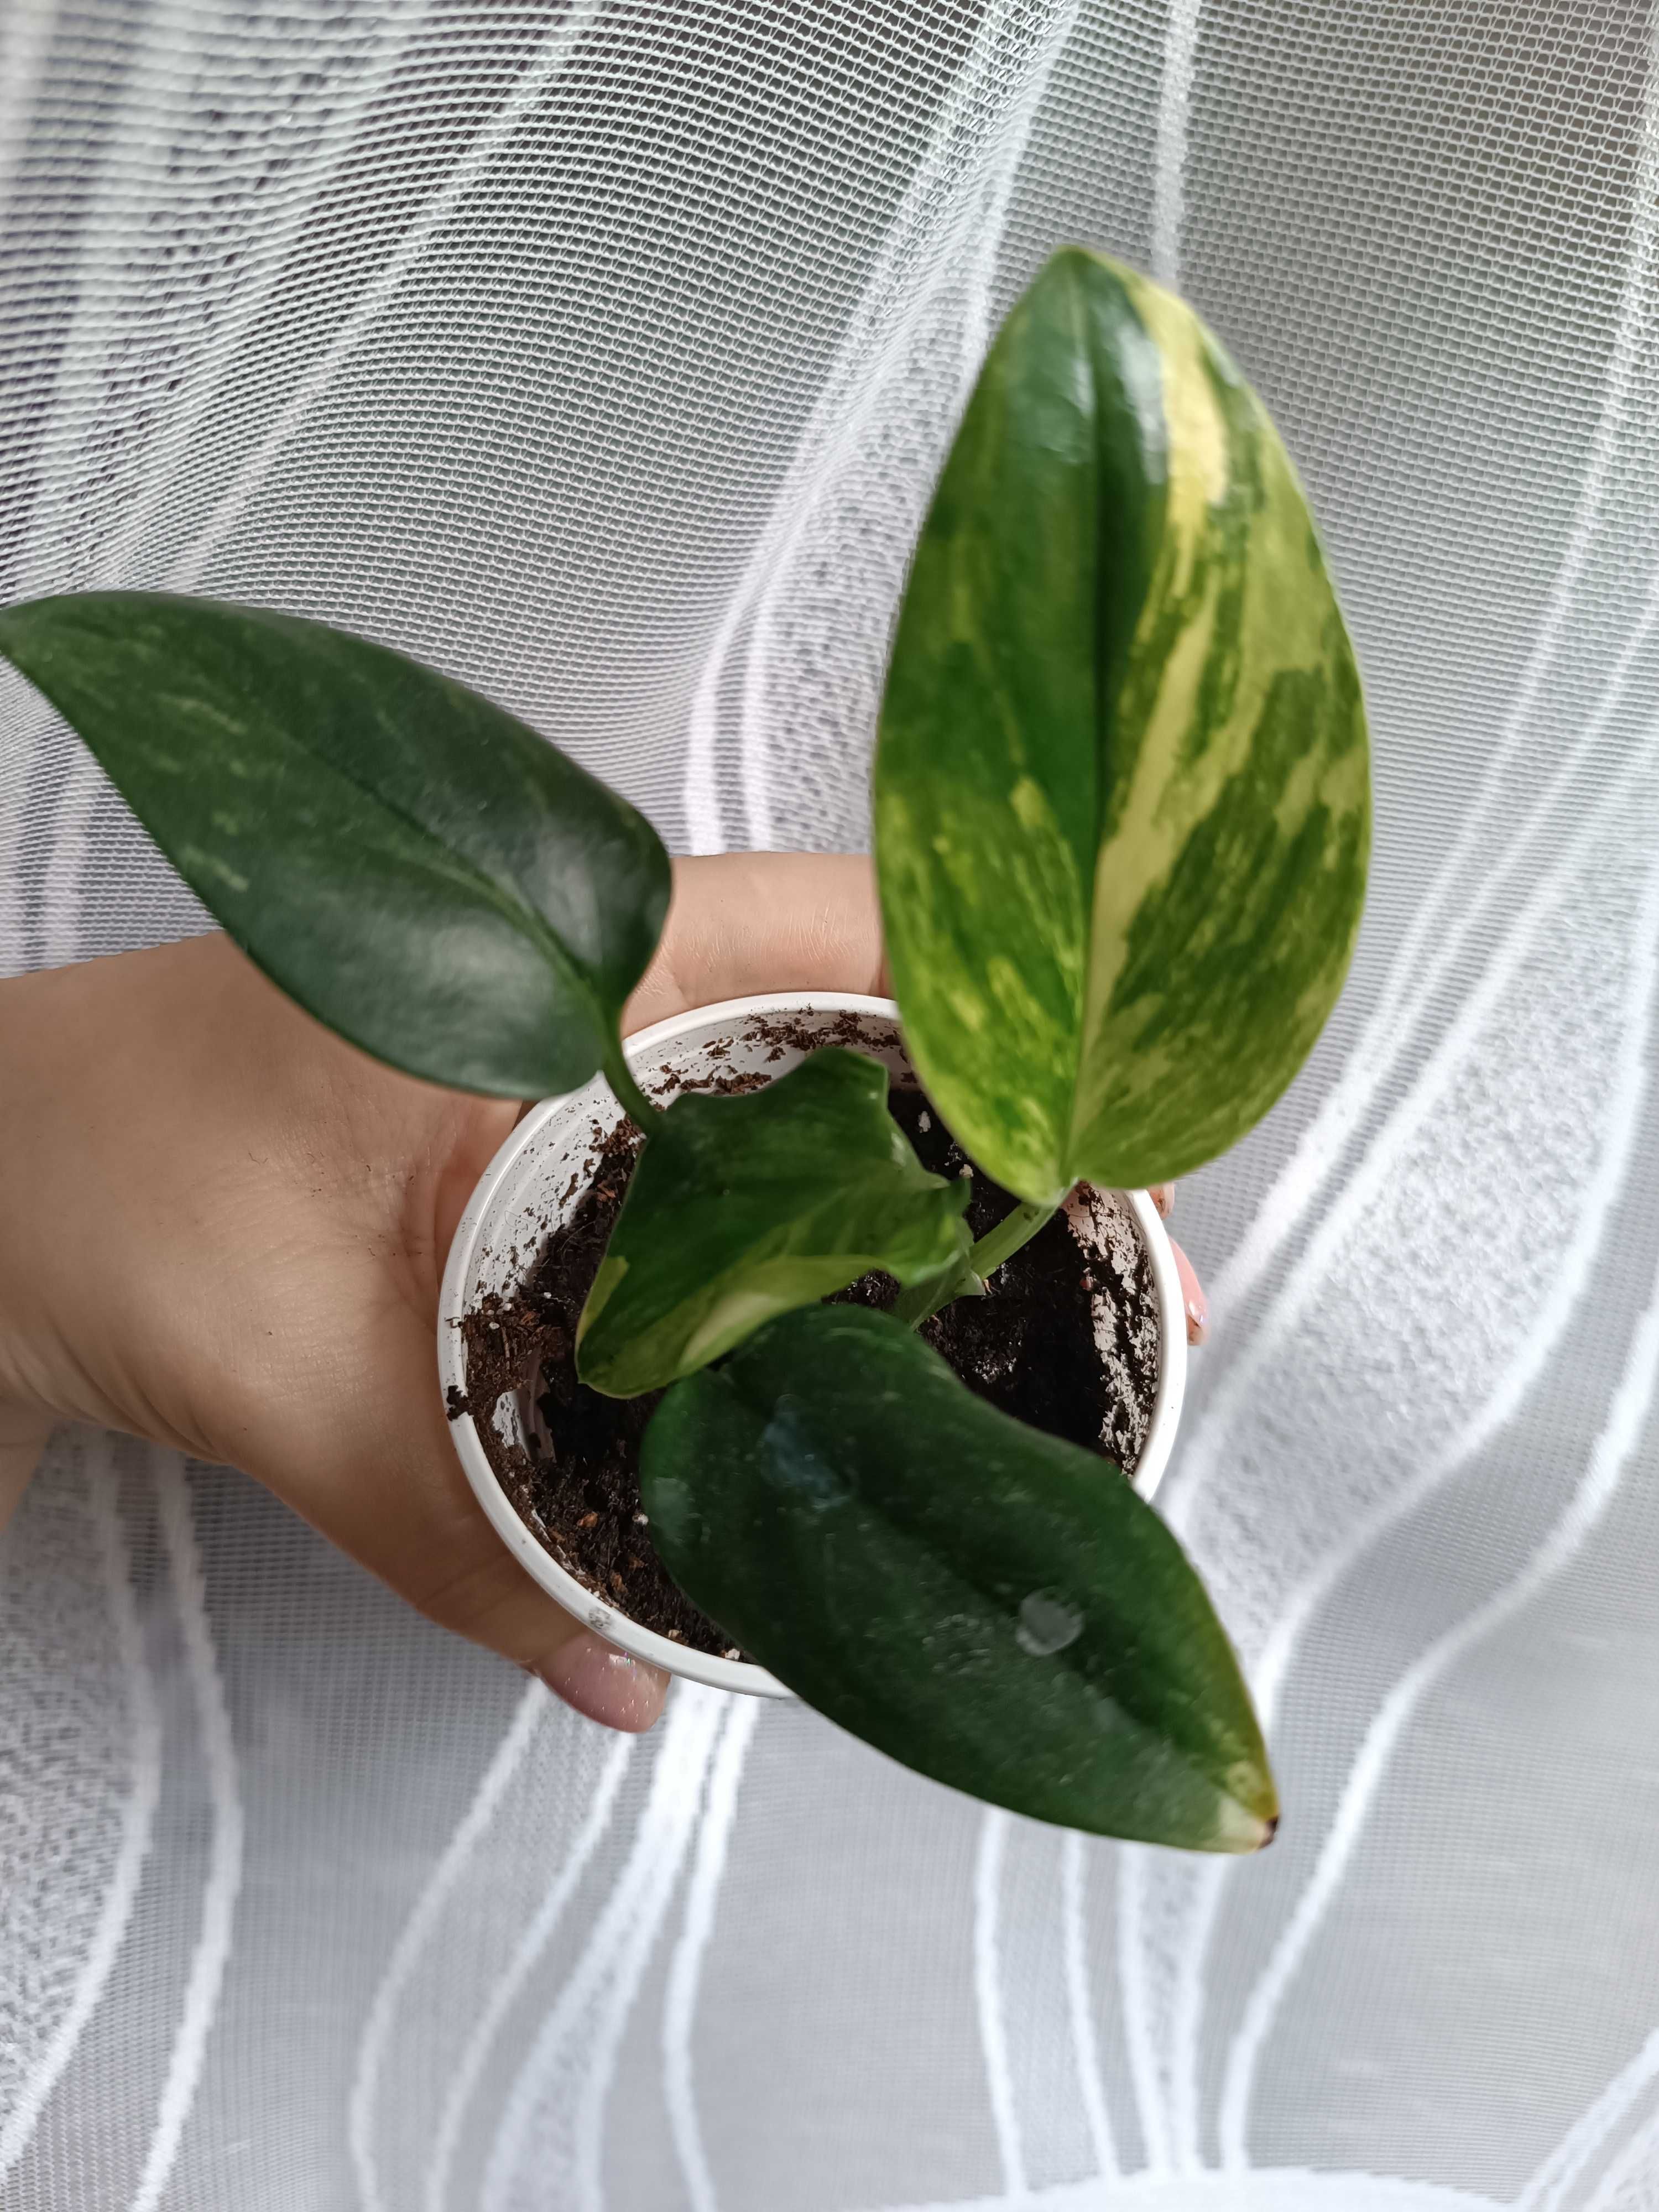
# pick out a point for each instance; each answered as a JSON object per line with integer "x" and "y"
{"x": 536, "y": 1180}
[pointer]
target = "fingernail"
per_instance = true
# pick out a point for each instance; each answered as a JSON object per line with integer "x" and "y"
{"x": 1198, "y": 1318}
{"x": 604, "y": 1685}
{"x": 1162, "y": 1197}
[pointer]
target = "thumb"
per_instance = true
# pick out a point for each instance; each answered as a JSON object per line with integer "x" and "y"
{"x": 375, "y": 1470}
{"x": 741, "y": 923}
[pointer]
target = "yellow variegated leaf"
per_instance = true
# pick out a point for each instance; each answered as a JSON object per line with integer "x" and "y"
{"x": 1122, "y": 791}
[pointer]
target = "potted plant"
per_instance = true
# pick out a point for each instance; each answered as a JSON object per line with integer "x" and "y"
{"x": 1121, "y": 818}
{"x": 1081, "y": 1332}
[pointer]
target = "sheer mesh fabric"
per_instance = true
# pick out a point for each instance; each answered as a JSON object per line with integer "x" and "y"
{"x": 604, "y": 355}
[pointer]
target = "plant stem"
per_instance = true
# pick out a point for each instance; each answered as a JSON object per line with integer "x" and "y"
{"x": 633, "y": 1099}
{"x": 924, "y": 1300}
{"x": 1014, "y": 1230}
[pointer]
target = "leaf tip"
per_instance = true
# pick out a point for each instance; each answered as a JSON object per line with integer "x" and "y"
{"x": 1238, "y": 1834}
{"x": 606, "y": 1283}
{"x": 1250, "y": 1820}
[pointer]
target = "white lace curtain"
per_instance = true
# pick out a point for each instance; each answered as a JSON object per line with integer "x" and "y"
{"x": 603, "y": 353}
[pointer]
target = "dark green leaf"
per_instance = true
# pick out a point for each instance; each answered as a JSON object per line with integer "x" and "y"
{"x": 991, "y": 1606}
{"x": 1122, "y": 790}
{"x": 414, "y": 866}
{"x": 743, "y": 1208}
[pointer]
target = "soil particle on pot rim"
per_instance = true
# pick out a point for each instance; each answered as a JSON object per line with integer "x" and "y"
{"x": 1067, "y": 1339}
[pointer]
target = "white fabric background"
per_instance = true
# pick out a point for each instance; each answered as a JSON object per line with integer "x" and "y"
{"x": 603, "y": 353}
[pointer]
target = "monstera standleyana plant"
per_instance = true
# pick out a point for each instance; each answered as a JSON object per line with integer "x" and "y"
{"x": 1121, "y": 810}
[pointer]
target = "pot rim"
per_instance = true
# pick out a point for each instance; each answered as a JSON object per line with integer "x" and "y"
{"x": 537, "y": 1562}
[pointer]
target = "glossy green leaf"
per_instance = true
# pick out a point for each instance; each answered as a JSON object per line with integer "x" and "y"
{"x": 993, "y": 1607}
{"x": 1121, "y": 787}
{"x": 417, "y": 868}
{"x": 742, "y": 1207}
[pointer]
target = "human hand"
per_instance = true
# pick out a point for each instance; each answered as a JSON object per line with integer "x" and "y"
{"x": 226, "y": 1229}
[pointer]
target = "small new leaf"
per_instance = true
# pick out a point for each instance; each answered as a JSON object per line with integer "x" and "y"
{"x": 414, "y": 866}
{"x": 743, "y": 1208}
{"x": 991, "y": 1606}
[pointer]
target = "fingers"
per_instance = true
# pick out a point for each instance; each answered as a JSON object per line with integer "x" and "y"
{"x": 605, "y": 1685}
{"x": 1192, "y": 1290}
{"x": 1192, "y": 1293}
{"x": 492, "y": 1601}
{"x": 376, "y": 1473}
{"x": 746, "y": 922}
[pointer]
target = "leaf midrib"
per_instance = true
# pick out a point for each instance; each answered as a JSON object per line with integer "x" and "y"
{"x": 510, "y": 902}
{"x": 914, "y": 1546}
{"x": 1146, "y": 1731}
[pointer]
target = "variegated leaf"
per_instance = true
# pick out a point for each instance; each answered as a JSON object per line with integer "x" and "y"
{"x": 743, "y": 1208}
{"x": 1122, "y": 789}
{"x": 408, "y": 860}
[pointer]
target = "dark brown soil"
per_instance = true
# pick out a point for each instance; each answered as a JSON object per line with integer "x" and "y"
{"x": 1032, "y": 1344}
{"x": 1066, "y": 1339}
